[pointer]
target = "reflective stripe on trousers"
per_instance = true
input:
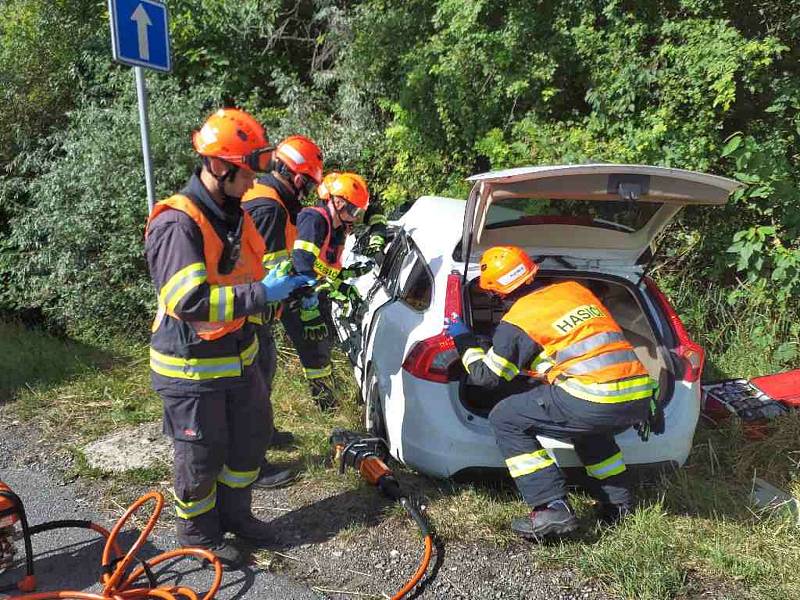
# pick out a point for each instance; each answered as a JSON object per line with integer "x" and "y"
{"x": 195, "y": 508}
{"x": 525, "y": 464}
{"x": 237, "y": 479}
{"x": 317, "y": 373}
{"x": 614, "y": 465}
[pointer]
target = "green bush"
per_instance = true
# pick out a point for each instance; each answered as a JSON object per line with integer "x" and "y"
{"x": 76, "y": 251}
{"x": 416, "y": 95}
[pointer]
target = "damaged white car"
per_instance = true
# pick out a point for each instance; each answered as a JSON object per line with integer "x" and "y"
{"x": 595, "y": 224}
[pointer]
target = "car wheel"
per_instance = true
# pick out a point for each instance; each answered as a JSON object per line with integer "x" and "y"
{"x": 374, "y": 419}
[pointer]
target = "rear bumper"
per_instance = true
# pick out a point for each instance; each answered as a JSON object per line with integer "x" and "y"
{"x": 436, "y": 435}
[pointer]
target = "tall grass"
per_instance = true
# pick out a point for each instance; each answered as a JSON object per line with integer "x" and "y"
{"x": 745, "y": 333}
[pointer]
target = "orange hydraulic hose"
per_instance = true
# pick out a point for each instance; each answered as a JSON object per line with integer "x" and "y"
{"x": 117, "y": 586}
{"x": 423, "y": 566}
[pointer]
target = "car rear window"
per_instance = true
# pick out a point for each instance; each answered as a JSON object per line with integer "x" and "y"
{"x": 607, "y": 214}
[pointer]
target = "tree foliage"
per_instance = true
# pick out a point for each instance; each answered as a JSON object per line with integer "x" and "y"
{"x": 416, "y": 95}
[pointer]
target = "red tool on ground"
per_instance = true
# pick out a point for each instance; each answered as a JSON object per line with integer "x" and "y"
{"x": 350, "y": 449}
{"x": 118, "y": 583}
{"x": 783, "y": 387}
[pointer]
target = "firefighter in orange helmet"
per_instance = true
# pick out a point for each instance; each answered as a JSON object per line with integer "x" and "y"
{"x": 317, "y": 252}
{"x": 204, "y": 256}
{"x": 591, "y": 386}
{"x": 274, "y": 203}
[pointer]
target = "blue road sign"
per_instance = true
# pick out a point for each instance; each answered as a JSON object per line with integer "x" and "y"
{"x": 140, "y": 33}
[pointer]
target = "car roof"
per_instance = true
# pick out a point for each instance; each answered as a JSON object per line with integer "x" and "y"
{"x": 435, "y": 224}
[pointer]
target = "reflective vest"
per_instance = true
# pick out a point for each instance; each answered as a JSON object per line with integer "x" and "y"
{"x": 248, "y": 269}
{"x": 259, "y": 190}
{"x": 328, "y": 262}
{"x": 584, "y": 350}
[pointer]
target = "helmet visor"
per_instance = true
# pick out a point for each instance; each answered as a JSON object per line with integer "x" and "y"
{"x": 351, "y": 209}
{"x": 259, "y": 160}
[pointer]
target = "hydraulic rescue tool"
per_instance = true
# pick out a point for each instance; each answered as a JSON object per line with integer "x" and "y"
{"x": 365, "y": 455}
{"x": 117, "y": 582}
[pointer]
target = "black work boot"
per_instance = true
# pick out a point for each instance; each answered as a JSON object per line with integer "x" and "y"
{"x": 611, "y": 514}
{"x": 281, "y": 439}
{"x": 236, "y": 518}
{"x": 271, "y": 476}
{"x": 204, "y": 531}
{"x": 322, "y": 393}
{"x": 556, "y": 519}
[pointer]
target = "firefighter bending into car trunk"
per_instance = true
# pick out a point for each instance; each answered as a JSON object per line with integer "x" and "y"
{"x": 592, "y": 387}
{"x": 317, "y": 252}
{"x": 204, "y": 256}
{"x": 274, "y": 203}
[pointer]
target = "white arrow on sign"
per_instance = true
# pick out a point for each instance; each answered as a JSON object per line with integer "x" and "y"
{"x": 142, "y": 23}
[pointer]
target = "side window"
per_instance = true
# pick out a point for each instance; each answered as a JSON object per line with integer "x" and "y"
{"x": 418, "y": 289}
{"x": 392, "y": 264}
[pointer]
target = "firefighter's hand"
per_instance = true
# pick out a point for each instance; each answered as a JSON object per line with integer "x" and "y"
{"x": 455, "y": 326}
{"x": 357, "y": 270}
{"x": 344, "y": 293}
{"x": 278, "y": 284}
{"x": 654, "y": 423}
{"x": 375, "y": 244}
{"x": 314, "y": 327}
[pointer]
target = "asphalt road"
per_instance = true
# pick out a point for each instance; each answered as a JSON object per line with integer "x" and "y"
{"x": 70, "y": 558}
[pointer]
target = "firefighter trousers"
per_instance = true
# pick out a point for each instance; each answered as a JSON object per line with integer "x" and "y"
{"x": 268, "y": 364}
{"x": 315, "y": 355}
{"x": 548, "y": 411}
{"x": 219, "y": 442}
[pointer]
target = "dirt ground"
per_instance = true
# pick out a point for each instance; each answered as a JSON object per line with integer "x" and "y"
{"x": 340, "y": 543}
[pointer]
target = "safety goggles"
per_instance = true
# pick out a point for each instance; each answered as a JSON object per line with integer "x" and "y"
{"x": 259, "y": 160}
{"x": 308, "y": 186}
{"x": 351, "y": 209}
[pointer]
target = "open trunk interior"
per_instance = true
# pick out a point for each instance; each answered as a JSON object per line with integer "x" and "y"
{"x": 486, "y": 310}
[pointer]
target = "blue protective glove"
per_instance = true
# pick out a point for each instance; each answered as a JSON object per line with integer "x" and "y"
{"x": 278, "y": 284}
{"x": 455, "y": 326}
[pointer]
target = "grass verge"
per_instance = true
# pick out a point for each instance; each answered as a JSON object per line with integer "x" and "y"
{"x": 696, "y": 533}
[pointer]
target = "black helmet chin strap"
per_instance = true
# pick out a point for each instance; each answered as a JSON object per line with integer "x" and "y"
{"x": 289, "y": 175}
{"x": 232, "y": 244}
{"x": 229, "y": 175}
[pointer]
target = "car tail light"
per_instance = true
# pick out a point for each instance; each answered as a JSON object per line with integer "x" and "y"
{"x": 691, "y": 352}
{"x": 436, "y": 358}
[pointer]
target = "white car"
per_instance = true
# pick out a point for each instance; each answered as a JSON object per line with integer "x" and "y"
{"x": 592, "y": 223}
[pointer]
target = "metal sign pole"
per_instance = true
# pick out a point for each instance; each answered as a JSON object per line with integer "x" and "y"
{"x": 144, "y": 127}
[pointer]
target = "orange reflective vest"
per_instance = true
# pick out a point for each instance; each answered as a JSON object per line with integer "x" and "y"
{"x": 584, "y": 350}
{"x": 248, "y": 268}
{"x": 259, "y": 190}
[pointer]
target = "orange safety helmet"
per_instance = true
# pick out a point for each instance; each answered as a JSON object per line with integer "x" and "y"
{"x": 236, "y": 137}
{"x": 301, "y": 155}
{"x": 349, "y": 186}
{"x": 505, "y": 268}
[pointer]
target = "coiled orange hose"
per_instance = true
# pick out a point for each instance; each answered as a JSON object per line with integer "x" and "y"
{"x": 423, "y": 566}
{"x": 117, "y": 586}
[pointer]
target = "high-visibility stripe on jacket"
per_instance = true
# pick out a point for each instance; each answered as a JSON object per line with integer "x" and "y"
{"x": 584, "y": 350}
{"x": 248, "y": 269}
{"x": 276, "y": 255}
{"x": 327, "y": 258}
{"x": 199, "y": 369}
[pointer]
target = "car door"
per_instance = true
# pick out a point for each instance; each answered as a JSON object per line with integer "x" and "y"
{"x": 409, "y": 294}
{"x": 376, "y": 288}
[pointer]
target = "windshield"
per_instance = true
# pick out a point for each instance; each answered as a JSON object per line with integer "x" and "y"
{"x": 608, "y": 214}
